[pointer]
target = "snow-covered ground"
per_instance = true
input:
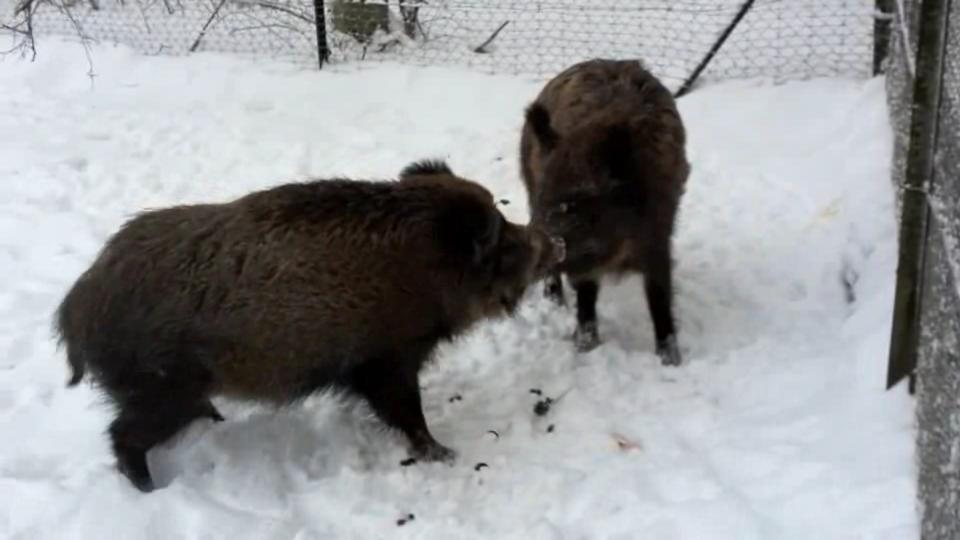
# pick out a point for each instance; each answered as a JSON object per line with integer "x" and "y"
{"x": 777, "y": 427}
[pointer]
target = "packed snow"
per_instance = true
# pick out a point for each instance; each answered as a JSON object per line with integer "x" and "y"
{"x": 777, "y": 427}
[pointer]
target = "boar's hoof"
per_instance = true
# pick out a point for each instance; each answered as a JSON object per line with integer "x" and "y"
{"x": 435, "y": 452}
{"x": 586, "y": 337}
{"x": 139, "y": 477}
{"x": 212, "y": 413}
{"x": 669, "y": 352}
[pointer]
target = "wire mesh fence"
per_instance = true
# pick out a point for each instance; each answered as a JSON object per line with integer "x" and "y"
{"x": 800, "y": 38}
{"x": 783, "y": 39}
{"x": 927, "y": 86}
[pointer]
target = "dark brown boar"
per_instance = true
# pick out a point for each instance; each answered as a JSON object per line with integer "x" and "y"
{"x": 604, "y": 162}
{"x": 287, "y": 291}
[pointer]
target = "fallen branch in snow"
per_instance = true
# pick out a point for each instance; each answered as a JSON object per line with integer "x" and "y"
{"x": 624, "y": 443}
{"x": 482, "y": 48}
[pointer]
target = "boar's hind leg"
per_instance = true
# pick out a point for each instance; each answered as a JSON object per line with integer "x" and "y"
{"x": 586, "y": 336}
{"x": 211, "y": 412}
{"x": 152, "y": 410}
{"x": 658, "y": 285}
{"x": 392, "y": 389}
{"x": 553, "y": 289}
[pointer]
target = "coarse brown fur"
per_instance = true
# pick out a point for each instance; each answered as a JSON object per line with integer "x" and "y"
{"x": 290, "y": 290}
{"x": 604, "y": 162}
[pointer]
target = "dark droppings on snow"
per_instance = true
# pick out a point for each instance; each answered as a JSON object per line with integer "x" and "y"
{"x": 479, "y": 466}
{"x": 455, "y": 397}
{"x": 403, "y": 521}
{"x": 542, "y": 407}
{"x": 536, "y": 391}
{"x": 550, "y": 428}
{"x": 408, "y": 462}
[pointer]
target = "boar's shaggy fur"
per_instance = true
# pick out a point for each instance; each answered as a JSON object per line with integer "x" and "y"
{"x": 290, "y": 290}
{"x": 604, "y": 163}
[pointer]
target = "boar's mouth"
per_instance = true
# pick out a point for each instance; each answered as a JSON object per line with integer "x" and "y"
{"x": 508, "y": 304}
{"x": 509, "y": 301}
{"x": 557, "y": 253}
{"x": 551, "y": 253}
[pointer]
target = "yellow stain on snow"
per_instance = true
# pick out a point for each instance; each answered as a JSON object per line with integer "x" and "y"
{"x": 826, "y": 213}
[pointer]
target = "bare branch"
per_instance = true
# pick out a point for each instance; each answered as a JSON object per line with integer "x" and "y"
{"x": 22, "y": 29}
{"x": 143, "y": 14}
{"x": 482, "y": 49}
{"x": 203, "y": 31}
{"x": 84, "y": 39}
{"x": 282, "y": 30}
{"x": 289, "y": 11}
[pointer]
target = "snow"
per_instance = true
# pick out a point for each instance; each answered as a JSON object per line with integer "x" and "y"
{"x": 777, "y": 427}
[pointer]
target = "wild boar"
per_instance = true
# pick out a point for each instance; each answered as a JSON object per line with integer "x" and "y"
{"x": 603, "y": 158}
{"x": 288, "y": 291}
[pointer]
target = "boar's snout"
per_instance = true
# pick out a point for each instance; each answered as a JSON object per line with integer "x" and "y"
{"x": 552, "y": 251}
{"x": 559, "y": 249}
{"x": 555, "y": 223}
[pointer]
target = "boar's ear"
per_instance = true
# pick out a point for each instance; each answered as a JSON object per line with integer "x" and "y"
{"x": 426, "y": 167}
{"x": 539, "y": 120}
{"x": 616, "y": 151}
{"x": 469, "y": 230}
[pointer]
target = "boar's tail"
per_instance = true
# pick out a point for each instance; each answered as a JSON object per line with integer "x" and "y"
{"x": 78, "y": 366}
{"x": 62, "y": 327}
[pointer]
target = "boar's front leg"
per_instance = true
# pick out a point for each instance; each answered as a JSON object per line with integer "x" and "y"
{"x": 658, "y": 285}
{"x": 586, "y": 337}
{"x": 391, "y": 387}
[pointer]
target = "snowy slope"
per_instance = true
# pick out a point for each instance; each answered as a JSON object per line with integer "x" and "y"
{"x": 778, "y": 427}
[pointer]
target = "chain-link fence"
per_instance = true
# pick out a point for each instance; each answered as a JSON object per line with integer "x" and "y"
{"x": 923, "y": 86}
{"x": 783, "y": 39}
{"x": 800, "y": 38}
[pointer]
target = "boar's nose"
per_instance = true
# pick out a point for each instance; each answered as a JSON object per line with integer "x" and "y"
{"x": 559, "y": 249}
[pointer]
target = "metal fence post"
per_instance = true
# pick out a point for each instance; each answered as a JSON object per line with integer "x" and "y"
{"x": 915, "y": 216}
{"x": 320, "y": 20}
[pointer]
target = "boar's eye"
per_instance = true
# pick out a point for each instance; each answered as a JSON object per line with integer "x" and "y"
{"x": 564, "y": 207}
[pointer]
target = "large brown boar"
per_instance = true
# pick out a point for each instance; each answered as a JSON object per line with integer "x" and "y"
{"x": 603, "y": 159}
{"x": 290, "y": 290}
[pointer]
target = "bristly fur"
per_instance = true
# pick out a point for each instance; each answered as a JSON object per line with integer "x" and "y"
{"x": 604, "y": 170}
{"x": 538, "y": 118}
{"x": 335, "y": 284}
{"x": 426, "y": 167}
